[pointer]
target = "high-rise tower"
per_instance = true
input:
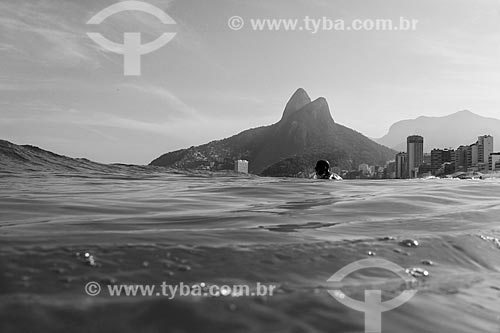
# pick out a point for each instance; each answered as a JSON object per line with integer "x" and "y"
{"x": 415, "y": 150}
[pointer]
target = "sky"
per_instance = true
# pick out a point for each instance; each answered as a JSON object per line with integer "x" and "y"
{"x": 61, "y": 91}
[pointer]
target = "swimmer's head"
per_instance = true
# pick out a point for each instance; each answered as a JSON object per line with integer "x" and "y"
{"x": 322, "y": 168}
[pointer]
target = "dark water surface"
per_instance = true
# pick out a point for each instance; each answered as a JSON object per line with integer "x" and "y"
{"x": 146, "y": 226}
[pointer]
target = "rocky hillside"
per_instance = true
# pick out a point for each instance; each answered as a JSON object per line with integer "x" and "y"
{"x": 305, "y": 132}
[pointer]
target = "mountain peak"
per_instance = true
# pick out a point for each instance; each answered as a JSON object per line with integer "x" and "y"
{"x": 318, "y": 110}
{"x": 321, "y": 102}
{"x": 464, "y": 113}
{"x": 299, "y": 99}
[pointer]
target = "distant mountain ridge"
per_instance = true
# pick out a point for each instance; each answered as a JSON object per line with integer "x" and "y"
{"x": 306, "y": 132}
{"x": 460, "y": 128}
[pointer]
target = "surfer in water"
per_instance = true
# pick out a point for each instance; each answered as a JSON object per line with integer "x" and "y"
{"x": 323, "y": 171}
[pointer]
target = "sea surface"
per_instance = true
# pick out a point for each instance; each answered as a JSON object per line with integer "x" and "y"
{"x": 145, "y": 225}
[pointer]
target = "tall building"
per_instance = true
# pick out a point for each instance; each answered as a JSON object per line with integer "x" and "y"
{"x": 401, "y": 165}
{"x": 415, "y": 150}
{"x": 484, "y": 148}
{"x": 436, "y": 160}
{"x": 474, "y": 155}
{"x": 241, "y": 166}
{"x": 469, "y": 156}
{"x": 440, "y": 157}
{"x": 494, "y": 162}
{"x": 461, "y": 158}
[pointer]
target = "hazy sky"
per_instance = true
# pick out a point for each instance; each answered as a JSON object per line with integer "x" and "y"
{"x": 61, "y": 91}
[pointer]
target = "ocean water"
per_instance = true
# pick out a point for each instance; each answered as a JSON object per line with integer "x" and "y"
{"x": 145, "y": 226}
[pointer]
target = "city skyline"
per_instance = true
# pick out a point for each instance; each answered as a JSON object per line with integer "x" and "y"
{"x": 479, "y": 156}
